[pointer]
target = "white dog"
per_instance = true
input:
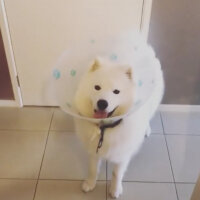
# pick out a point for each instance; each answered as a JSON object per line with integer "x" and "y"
{"x": 107, "y": 90}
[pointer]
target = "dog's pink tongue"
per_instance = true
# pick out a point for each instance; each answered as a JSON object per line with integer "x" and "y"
{"x": 100, "y": 114}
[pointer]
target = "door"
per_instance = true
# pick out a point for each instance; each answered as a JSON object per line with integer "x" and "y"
{"x": 174, "y": 34}
{"x": 42, "y": 29}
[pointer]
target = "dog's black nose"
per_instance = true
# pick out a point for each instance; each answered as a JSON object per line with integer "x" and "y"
{"x": 102, "y": 104}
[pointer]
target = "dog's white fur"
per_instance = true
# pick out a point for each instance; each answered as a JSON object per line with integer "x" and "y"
{"x": 123, "y": 141}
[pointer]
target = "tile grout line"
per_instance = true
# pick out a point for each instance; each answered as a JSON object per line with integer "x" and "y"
{"x": 181, "y": 134}
{"x": 163, "y": 128}
{"x": 43, "y": 156}
{"x": 24, "y": 130}
{"x": 171, "y": 168}
{"x": 169, "y": 157}
{"x": 72, "y": 132}
{"x": 80, "y": 180}
{"x": 106, "y": 180}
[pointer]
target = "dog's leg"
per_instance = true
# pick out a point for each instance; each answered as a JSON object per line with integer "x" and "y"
{"x": 90, "y": 183}
{"x": 148, "y": 131}
{"x": 117, "y": 176}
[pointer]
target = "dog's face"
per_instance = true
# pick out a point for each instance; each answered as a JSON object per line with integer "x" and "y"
{"x": 106, "y": 90}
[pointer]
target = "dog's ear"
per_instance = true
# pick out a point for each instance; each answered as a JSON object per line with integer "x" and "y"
{"x": 96, "y": 65}
{"x": 129, "y": 73}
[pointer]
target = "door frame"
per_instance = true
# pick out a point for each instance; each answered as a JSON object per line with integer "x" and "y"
{"x": 17, "y": 102}
{"x": 145, "y": 17}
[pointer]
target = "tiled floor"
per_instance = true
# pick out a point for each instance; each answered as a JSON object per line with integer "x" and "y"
{"x": 41, "y": 159}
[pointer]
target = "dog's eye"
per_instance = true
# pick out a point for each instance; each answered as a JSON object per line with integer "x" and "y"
{"x": 97, "y": 87}
{"x": 116, "y": 91}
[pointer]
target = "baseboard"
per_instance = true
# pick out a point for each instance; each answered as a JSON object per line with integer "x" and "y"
{"x": 179, "y": 108}
{"x": 9, "y": 103}
{"x": 162, "y": 107}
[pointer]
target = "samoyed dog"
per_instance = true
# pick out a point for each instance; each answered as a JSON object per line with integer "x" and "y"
{"x": 107, "y": 89}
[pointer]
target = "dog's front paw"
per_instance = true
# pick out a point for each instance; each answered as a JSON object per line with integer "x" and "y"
{"x": 88, "y": 185}
{"x": 115, "y": 192}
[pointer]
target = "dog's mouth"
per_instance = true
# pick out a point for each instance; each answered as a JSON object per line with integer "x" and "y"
{"x": 103, "y": 114}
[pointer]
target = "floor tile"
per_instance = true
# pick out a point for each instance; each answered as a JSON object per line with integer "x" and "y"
{"x": 181, "y": 122}
{"x": 184, "y": 153}
{"x": 65, "y": 158}
{"x": 147, "y": 191}
{"x": 185, "y": 191}
{"x": 63, "y": 190}
{"x": 17, "y": 189}
{"x": 156, "y": 124}
{"x": 27, "y": 118}
{"x": 62, "y": 121}
{"x": 151, "y": 163}
{"x": 21, "y": 153}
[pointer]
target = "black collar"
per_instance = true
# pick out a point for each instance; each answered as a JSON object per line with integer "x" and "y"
{"x": 102, "y": 129}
